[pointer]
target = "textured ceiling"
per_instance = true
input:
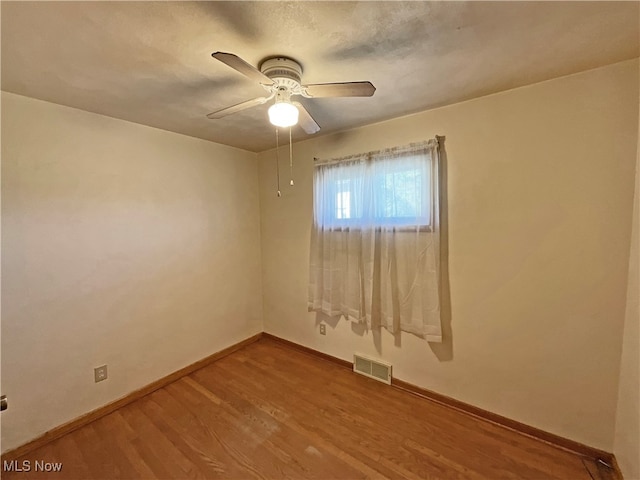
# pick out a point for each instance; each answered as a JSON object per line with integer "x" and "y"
{"x": 150, "y": 62}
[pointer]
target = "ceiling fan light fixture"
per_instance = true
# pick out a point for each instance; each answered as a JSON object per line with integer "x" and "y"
{"x": 281, "y": 77}
{"x": 283, "y": 114}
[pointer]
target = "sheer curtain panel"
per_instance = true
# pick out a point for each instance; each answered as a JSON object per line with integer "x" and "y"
{"x": 375, "y": 241}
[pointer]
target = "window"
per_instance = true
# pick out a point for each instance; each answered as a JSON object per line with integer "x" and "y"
{"x": 343, "y": 200}
{"x": 393, "y": 191}
{"x": 375, "y": 240}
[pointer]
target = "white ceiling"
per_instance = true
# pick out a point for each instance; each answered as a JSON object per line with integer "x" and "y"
{"x": 150, "y": 62}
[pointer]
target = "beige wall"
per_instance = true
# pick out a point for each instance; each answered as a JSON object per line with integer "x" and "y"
{"x": 540, "y": 183}
{"x": 139, "y": 248}
{"x": 627, "y": 440}
{"x": 122, "y": 245}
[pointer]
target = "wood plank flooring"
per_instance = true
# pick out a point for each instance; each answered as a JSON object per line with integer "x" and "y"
{"x": 271, "y": 412}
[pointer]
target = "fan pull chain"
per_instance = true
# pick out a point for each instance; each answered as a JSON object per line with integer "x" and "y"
{"x": 277, "y": 164}
{"x": 290, "y": 158}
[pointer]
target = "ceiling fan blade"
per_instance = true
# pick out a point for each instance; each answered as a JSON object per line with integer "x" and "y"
{"x": 305, "y": 119}
{"x": 238, "y": 107}
{"x": 243, "y": 67}
{"x": 347, "y": 89}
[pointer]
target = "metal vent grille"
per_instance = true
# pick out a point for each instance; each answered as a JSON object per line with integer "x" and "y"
{"x": 372, "y": 368}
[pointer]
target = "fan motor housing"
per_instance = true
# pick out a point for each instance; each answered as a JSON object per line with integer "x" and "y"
{"x": 284, "y": 71}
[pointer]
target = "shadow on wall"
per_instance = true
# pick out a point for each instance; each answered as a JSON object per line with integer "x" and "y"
{"x": 443, "y": 351}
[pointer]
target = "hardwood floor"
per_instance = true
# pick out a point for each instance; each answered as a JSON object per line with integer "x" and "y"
{"x": 271, "y": 412}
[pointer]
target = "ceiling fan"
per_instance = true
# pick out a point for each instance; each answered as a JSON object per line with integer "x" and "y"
{"x": 281, "y": 78}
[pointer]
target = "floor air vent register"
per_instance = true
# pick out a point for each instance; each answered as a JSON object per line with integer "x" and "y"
{"x": 372, "y": 368}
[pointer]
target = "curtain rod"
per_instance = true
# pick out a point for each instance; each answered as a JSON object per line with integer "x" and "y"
{"x": 439, "y": 139}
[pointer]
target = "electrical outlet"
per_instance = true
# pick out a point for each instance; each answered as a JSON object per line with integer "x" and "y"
{"x": 323, "y": 329}
{"x": 100, "y": 373}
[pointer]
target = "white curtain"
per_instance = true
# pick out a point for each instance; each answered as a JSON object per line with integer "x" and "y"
{"x": 375, "y": 241}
